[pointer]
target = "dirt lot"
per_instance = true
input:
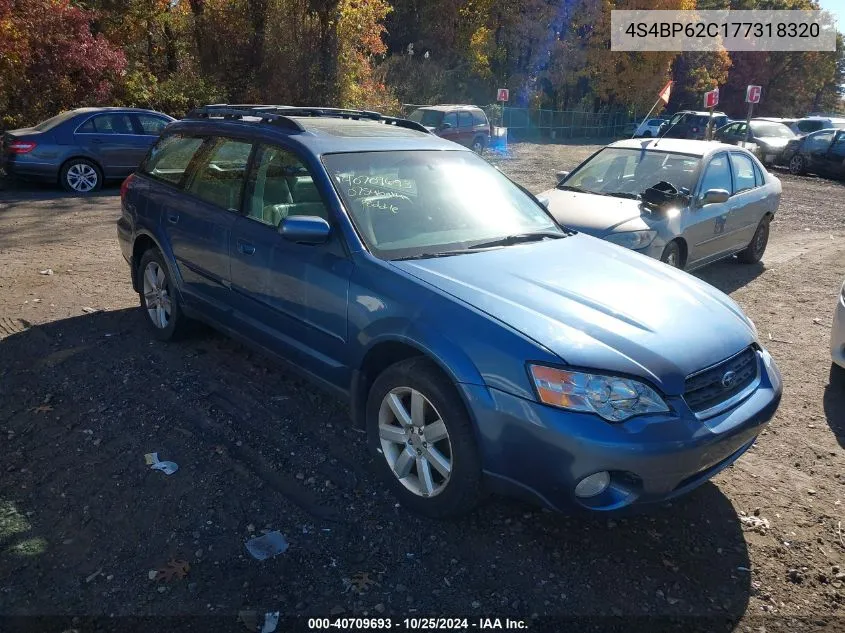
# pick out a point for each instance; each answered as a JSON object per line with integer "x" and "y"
{"x": 85, "y": 392}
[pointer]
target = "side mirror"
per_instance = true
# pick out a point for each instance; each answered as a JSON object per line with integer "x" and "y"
{"x": 305, "y": 229}
{"x": 560, "y": 175}
{"x": 446, "y": 126}
{"x": 714, "y": 196}
{"x": 544, "y": 201}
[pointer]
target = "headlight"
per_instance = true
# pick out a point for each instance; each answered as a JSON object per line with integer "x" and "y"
{"x": 632, "y": 239}
{"x": 612, "y": 397}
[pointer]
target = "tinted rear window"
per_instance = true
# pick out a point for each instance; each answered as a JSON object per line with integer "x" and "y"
{"x": 170, "y": 156}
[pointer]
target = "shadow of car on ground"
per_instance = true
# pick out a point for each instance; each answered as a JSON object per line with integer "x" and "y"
{"x": 82, "y": 400}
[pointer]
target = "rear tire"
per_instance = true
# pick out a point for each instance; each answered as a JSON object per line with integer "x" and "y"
{"x": 478, "y": 145}
{"x": 412, "y": 449}
{"x": 159, "y": 298}
{"x": 753, "y": 253}
{"x": 672, "y": 255}
{"x": 80, "y": 175}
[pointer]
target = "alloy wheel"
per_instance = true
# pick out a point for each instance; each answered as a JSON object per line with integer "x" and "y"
{"x": 156, "y": 296}
{"x": 796, "y": 164}
{"x": 82, "y": 177}
{"x": 415, "y": 442}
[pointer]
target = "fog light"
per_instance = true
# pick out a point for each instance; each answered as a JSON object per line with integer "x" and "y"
{"x": 593, "y": 485}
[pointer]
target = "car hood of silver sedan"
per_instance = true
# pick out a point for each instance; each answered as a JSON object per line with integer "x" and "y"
{"x": 595, "y": 214}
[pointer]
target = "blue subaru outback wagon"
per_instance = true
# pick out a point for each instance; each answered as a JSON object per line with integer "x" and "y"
{"x": 483, "y": 346}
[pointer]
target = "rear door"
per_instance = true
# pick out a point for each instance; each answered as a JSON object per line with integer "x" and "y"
{"x": 292, "y": 296}
{"x": 198, "y": 222}
{"x": 748, "y": 203}
{"x": 705, "y": 225}
{"x": 465, "y": 129}
{"x": 110, "y": 139}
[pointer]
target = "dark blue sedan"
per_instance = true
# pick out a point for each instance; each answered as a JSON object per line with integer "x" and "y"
{"x": 81, "y": 148}
{"x": 483, "y": 346}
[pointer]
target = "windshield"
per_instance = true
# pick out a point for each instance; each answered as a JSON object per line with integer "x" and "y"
{"x": 616, "y": 170}
{"x": 53, "y": 121}
{"x": 429, "y": 118}
{"x": 416, "y": 203}
{"x": 770, "y": 129}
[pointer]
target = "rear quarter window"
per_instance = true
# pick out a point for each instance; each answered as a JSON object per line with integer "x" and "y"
{"x": 170, "y": 157}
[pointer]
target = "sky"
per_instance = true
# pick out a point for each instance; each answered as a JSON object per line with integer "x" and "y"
{"x": 837, "y": 7}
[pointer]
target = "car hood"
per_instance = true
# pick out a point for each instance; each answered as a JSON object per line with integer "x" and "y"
{"x": 595, "y": 214}
{"x": 596, "y": 305}
{"x": 773, "y": 141}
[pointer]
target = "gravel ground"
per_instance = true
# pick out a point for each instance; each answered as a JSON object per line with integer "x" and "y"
{"x": 85, "y": 393}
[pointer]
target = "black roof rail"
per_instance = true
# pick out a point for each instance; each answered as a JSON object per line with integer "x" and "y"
{"x": 280, "y": 114}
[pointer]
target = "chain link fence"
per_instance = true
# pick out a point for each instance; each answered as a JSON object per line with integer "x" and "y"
{"x": 536, "y": 124}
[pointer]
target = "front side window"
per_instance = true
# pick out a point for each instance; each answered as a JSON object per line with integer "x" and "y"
{"x": 170, "y": 156}
{"x": 151, "y": 125}
{"x": 743, "y": 168}
{"x": 428, "y": 118}
{"x": 820, "y": 141}
{"x": 279, "y": 186}
{"x": 220, "y": 178}
{"x": 417, "y": 203}
{"x": 717, "y": 175}
{"x": 451, "y": 119}
{"x": 464, "y": 119}
{"x": 628, "y": 172}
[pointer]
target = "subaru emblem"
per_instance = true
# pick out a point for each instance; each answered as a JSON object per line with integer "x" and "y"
{"x": 728, "y": 379}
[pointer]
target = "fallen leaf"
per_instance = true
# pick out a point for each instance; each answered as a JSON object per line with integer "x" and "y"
{"x": 174, "y": 569}
{"x": 42, "y": 408}
{"x": 361, "y": 582}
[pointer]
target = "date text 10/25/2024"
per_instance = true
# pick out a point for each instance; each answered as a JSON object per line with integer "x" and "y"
{"x": 417, "y": 624}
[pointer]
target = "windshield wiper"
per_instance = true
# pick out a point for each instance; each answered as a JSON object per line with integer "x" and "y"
{"x": 428, "y": 255}
{"x": 509, "y": 240}
{"x": 623, "y": 194}
{"x": 572, "y": 188}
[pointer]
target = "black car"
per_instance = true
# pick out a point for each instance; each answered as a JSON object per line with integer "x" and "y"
{"x": 691, "y": 124}
{"x": 770, "y": 137}
{"x": 81, "y": 148}
{"x": 821, "y": 152}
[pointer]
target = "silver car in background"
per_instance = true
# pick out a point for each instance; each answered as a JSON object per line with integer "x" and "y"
{"x": 837, "y": 333}
{"x": 714, "y": 200}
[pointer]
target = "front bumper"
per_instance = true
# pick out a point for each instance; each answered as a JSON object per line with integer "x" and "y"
{"x": 541, "y": 452}
{"x": 837, "y": 333}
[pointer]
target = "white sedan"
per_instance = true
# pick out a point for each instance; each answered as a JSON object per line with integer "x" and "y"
{"x": 649, "y": 128}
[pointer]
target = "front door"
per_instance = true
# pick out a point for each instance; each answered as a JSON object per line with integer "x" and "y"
{"x": 293, "y": 297}
{"x": 834, "y": 161}
{"x": 465, "y": 131}
{"x": 817, "y": 146}
{"x": 449, "y": 127}
{"x": 110, "y": 139}
{"x": 705, "y": 225}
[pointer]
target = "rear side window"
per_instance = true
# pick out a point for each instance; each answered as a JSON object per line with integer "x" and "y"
{"x": 759, "y": 178}
{"x": 479, "y": 118}
{"x": 744, "y": 177}
{"x": 219, "y": 179}
{"x": 279, "y": 186}
{"x": 170, "y": 156}
{"x": 112, "y": 124}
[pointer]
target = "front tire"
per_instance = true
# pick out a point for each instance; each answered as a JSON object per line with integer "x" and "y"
{"x": 80, "y": 175}
{"x": 159, "y": 299}
{"x": 797, "y": 165}
{"x": 421, "y": 437}
{"x": 672, "y": 255}
{"x": 753, "y": 253}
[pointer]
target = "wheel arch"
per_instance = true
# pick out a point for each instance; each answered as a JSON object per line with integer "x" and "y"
{"x": 144, "y": 241}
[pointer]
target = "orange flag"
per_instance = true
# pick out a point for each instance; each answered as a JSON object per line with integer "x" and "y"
{"x": 664, "y": 94}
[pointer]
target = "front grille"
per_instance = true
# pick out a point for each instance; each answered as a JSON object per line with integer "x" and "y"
{"x": 706, "y": 390}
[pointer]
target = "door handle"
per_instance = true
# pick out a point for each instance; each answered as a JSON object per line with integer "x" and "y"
{"x": 246, "y": 248}
{"x": 173, "y": 218}
{"x": 96, "y": 140}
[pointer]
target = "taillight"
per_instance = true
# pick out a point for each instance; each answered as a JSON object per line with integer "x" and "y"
{"x": 20, "y": 147}
{"x": 125, "y": 186}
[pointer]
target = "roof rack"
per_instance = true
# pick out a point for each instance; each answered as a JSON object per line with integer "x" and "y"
{"x": 280, "y": 115}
